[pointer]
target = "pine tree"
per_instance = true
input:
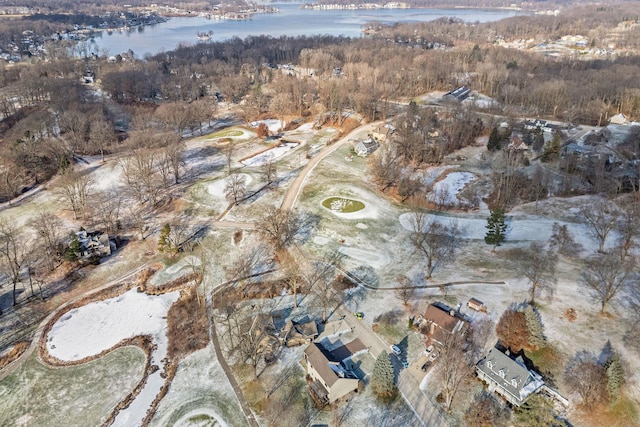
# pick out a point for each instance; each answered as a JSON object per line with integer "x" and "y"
{"x": 551, "y": 149}
{"x": 164, "y": 243}
{"x": 73, "y": 250}
{"x": 495, "y": 140}
{"x": 382, "y": 378}
{"x": 496, "y": 228}
{"x": 534, "y": 326}
{"x": 615, "y": 376}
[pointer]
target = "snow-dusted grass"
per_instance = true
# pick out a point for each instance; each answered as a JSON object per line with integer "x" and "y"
{"x": 199, "y": 391}
{"x": 445, "y": 192}
{"x": 82, "y": 395}
{"x": 270, "y": 155}
{"x": 98, "y": 326}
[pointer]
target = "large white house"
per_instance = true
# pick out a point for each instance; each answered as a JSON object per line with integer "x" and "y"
{"x": 508, "y": 377}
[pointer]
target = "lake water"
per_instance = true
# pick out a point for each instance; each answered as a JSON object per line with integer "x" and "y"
{"x": 290, "y": 21}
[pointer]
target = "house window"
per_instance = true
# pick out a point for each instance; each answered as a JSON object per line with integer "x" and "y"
{"x": 490, "y": 364}
{"x": 501, "y": 373}
{"x": 514, "y": 382}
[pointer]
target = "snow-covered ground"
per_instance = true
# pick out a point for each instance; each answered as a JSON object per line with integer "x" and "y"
{"x": 270, "y": 155}
{"x": 445, "y": 192}
{"x": 216, "y": 188}
{"x": 272, "y": 124}
{"x": 91, "y": 329}
{"x": 518, "y": 228}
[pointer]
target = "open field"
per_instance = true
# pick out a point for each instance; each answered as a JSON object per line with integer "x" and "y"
{"x": 37, "y": 395}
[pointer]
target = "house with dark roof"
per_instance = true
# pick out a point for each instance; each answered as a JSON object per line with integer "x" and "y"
{"x": 508, "y": 377}
{"x": 457, "y": 95}
{"x": 330, "y": 372}
{"x": 440, "y": 321}
{"x": 299, "y": 332}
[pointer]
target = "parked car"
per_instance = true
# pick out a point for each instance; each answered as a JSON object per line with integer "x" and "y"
{"x": 405, "y": 364}
{"x": 425, "y": 366}
{"x": 434, "y": 355}
{"x": 428, "y": 350}
{"x": 396, "y": 350}
{"x": 359, "y": 315}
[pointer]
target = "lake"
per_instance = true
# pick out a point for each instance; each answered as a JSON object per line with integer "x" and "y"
{"x": 290, "y": 21}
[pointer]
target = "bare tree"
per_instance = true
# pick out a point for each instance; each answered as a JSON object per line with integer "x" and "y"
{"x": 385, "y": 168}
{"x": 405, "y": 291}
{"x": 455, "y": 365}
{"x": 74, "y": 188}
{"x": 269, "y": 171}
{"x": 587, "y": 377}
{"x": 436, "y": 241}
{"x": 563, "y": 241}
{"x": 538, "y": 264}
{"x": 320, "y": 276}
{"x": 173, "y": 155}
{"x": 605, "y": 276}
{"x": 141, "y": 175}
{"x": 628, "y": 228}
{"x": 280, "y": 227}
{"x": 235, "y": 188}
{"x": 601, "y": 217}
{"x": 49, "y": 229}
{"x": 101, "y": 136}
{"x": 13, "y": 252}
{"x": 105, "y": 210}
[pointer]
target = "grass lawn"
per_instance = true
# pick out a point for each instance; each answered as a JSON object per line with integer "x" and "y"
{"x": 82, "y": 395}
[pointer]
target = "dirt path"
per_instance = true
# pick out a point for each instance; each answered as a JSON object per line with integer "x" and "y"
{"x": 293, "y": 192}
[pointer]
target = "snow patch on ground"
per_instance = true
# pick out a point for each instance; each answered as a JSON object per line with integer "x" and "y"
{"x": 362, "y": 226}
{"x": 216, "y": 188}
{"x": 374, "y": 259}
{"x": 270, "y": 155}
{"x": 99, "y": 326}
{"x": 272, "y": 124}
{"x": 445, "y": 192}
{"x": 518, "y": 229}
{"x": 321, "y": 240}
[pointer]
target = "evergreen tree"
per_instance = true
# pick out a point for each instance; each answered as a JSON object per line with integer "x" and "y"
{"x": 164, "y": 243}
{"x": 537, "y": 411}
{"x": 496, "y": 228}
{"x": 534, "y": 326}
{"x": 73, "y": 250}
{"x": 495, "y": 140}
{"x": 383, "y": 375}
{"x": 538, "y": 140}
{"x": 615, "y": 376}
{"x": 551, "y": 149}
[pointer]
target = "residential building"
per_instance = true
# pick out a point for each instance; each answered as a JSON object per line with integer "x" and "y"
{"x": 508, "y": 377}
{"x": 457, "y": 95}
{"x": 330, "y": 371}
{"x": 440, "y": 321}
{"x": 366, "y": 147}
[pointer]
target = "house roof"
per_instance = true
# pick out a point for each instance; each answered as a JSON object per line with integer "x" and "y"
{"x": 511, "y": 375}
{"x": 319, "y": 361}
{"x": 327, "y": 363}
{"x": 445, "y": 319}
{"x": 307, "y": 329}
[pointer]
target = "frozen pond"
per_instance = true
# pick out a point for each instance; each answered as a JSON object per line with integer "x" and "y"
{"x": 98, "y": 326}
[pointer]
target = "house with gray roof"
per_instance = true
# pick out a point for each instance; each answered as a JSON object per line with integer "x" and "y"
{"x": 366, "y": 147}
{"x": 508, "y": 377}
